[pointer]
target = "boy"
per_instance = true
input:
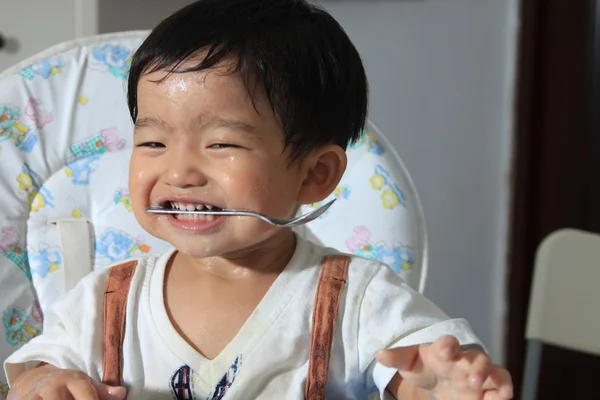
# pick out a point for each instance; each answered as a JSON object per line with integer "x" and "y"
{"x": 246, "y": 104}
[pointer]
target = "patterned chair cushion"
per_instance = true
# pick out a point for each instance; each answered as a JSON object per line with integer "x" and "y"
{"x": 65, "y": 140}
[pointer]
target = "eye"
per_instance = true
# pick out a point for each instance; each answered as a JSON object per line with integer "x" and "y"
{"x": 152, "y": 145}
{"x": 223, "y": 146}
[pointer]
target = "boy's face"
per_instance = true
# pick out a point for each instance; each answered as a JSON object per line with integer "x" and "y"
{"x": 200, "y": 140}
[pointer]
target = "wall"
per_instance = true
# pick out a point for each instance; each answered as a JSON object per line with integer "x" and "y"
{"x": 21, "y": 25}
{"x": 119, "y": 15}
{"x": 441, "y": 74}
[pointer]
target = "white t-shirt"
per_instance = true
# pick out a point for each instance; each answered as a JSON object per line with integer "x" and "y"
{"x": 268, "y": 358}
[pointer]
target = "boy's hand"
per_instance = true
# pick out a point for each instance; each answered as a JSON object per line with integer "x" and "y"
{"x": 50, "y": 383}
{"x": 448, "y": 372}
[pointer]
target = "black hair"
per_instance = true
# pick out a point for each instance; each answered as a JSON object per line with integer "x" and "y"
{"x": 311, "y": 72}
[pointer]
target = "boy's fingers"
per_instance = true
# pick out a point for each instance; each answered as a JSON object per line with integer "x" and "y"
{"x": 413, "y": 358}
{"x": 499, "y": 380}
{"x": 82, "y": 389}
{"x": 404, "y": 358}
{"x": 26, "y": 396}
{"x": 401, "y": 358}
{"x": 445, "y": 348}
{"x": 409, "y": 363}
{"x": 493, "y": 395}
{"x": 30, "y": 397}
{"x": 480, "y": 369}
{"x": 106, "y": 392}
{"x": 442, "y": 356}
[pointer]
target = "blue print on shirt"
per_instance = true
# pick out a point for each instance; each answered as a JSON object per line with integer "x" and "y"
{"x": 181, "y": 385}
{"x": 182, "y": 388}
{"x": 227, "y": 380}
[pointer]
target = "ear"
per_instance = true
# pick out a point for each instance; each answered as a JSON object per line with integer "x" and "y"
{"x": 324, "y": 168}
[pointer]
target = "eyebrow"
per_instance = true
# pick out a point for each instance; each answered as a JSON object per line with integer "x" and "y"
{"x": 152, "y": 122}
{"x": 211, "y": 121}
{"x": 220, "y": 122}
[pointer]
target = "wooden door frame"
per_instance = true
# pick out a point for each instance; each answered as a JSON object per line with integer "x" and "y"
{"x": 556, "y": 170}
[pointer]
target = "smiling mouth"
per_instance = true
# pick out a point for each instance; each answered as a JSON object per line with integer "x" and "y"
{"x": 172, "y": 205}
{"x": 182, "y": 206}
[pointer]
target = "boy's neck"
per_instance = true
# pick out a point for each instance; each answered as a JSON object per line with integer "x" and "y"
{"x": 268, "y": 257}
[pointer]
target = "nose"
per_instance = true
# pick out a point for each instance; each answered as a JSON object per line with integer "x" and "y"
{"x": 185, "y": 168}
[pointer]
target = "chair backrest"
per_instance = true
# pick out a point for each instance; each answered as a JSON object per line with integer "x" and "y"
{"x": 65, "y": 140}
{"x": 564, "y": 301}
{"x": 565, "y": 292}
{"x": 378, "y": 213}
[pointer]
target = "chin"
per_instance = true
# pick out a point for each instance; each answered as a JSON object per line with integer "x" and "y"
{"x": 228, "y": 246}
{"x": 205, "y": 250}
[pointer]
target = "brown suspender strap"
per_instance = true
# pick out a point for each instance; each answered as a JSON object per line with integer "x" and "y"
{"x": 333, "y": 277}
{"x": 115, "y": 306}
{"x": 334, "y": 273}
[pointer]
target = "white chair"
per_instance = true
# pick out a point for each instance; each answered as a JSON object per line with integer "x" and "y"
{"x": 65, "y": 139}
{"x": 563, "y": 310}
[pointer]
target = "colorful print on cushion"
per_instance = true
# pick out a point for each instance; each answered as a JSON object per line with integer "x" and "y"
{"x": 122, "y": 197}
{"x": 45, "y": 261}
{"x": 80, "y": 171}
{"x": 116, "y": 245}
{"x": 12, "y": 249}
{"x": 368, "y": 140}
{"x": 340, "y": 193}
{"x": 83, "y": 157}
{"x": 12, "y": 128}
{"x": 77, "y": 213}
{"x": 391, "y": 194}
{"x": 114, "y": 59}
{"x": 37, "y": 114}
{"x": 399, "y": 258}
{"x": 107, "y": 141}
{"x": 30, "y": 185}
{"x": 20, "y": 327}
{"x": 46, "y": 69}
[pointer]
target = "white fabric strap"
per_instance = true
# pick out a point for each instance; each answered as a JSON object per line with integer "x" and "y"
{"x": 76, "y": 250}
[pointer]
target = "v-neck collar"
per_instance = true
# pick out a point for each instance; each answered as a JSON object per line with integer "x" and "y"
{"x": 269, "y": 309}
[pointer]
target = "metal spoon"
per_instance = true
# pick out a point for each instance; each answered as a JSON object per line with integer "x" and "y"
{"x": 283, "y": 223}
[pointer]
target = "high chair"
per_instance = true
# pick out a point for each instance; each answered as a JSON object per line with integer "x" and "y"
{"x": 563, "y": 308}
{"x": 65, "y": 140}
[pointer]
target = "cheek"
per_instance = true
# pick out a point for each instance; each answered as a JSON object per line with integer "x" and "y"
{"x": 139, "y": 179}
{"x": 248, "y": 190}
{"x": 261, "y": 190}
{"x": 140, "y": 187}
{"x": 277, "y": 192}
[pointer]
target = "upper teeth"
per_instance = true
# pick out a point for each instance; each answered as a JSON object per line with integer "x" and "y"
{"x": 189, "y": 207}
